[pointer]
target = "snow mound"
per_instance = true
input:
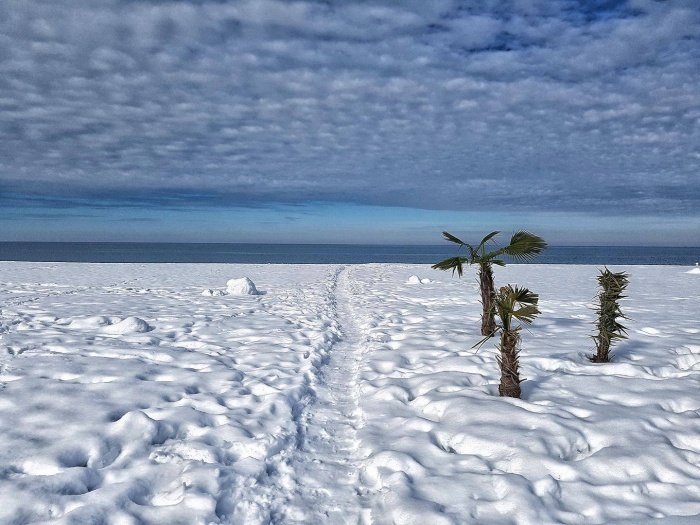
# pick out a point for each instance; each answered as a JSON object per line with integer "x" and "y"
{"x": 414, "y": 279}
{"x": 130, "y": 325}
{"x": 694, "y": 270}
{"x": 212, "y": 293}
{"x": 242, "y": 286}
{"x": 90, "y": 322}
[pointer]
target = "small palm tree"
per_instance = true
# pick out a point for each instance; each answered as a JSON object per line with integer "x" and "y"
{"x": 523, "y": 247}
{"x": 512, "y": 303}
{"x": 608, "y": 326}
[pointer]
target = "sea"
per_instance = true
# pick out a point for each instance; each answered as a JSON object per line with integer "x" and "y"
{"x": 118, "y": 252}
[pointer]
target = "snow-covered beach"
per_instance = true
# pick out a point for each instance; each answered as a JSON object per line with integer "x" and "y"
{"x": 156, "y": 394}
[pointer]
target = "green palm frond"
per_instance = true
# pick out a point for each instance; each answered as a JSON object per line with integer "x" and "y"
{"x": 487, "y": 239}
{"x": 516, "y": 303}
{"x": 524, "y": 246}
{"x": 513, "y": 302}
{"x": 456, "y": 264}
{"x": 449, "y": 237}
{"x": 473, "y": 256}
{"x": 524, "y": 296}
{"x": 483, "y": 340}
{"x": 526, "y": 314}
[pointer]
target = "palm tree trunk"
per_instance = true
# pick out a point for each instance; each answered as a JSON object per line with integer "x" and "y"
{"x": 488, "y": 299}
{"x": 602, "y": 344}
{"x": 510, "y": 367}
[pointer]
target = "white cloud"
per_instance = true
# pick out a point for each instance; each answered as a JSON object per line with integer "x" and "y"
{"x": 397, "y": 103}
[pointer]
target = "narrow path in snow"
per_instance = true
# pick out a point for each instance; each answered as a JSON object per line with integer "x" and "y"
{"x": 327, "y": 462}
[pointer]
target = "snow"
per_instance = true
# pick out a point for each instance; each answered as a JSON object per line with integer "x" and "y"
{"x": 414, "y": 279}
{"x": 242, "y": 286}
{"x": 344, "y": 394}
{"x": 212, "y": 293}
{"x": 130, "y": 325}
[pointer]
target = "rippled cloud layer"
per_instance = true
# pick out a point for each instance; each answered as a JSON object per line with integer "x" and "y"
{"x": 556, "y": 105}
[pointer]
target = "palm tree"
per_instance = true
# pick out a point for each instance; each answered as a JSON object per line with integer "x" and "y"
{"x": 609, "y": 329}
{"x": 512, "y": 303}
{"x": 523, "y": 247}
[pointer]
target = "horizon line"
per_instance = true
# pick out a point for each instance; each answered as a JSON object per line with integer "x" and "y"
{"x": 336, "y": 244}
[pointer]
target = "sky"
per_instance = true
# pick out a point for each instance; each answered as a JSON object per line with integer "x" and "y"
{"x": 350, "y": 121}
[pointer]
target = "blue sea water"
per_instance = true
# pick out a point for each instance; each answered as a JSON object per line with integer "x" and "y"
{"x": 321, "y": 253}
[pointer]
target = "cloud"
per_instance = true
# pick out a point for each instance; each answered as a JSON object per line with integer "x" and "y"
{"x": 451, "y": 105}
